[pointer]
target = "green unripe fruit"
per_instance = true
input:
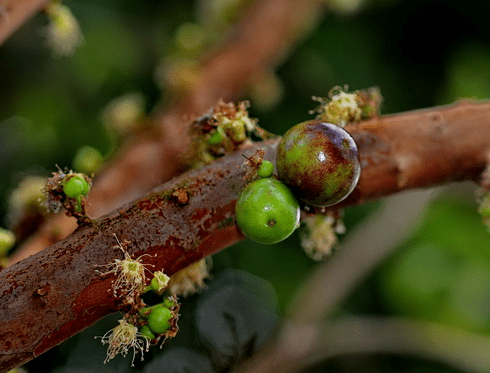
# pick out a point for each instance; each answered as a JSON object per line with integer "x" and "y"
{"x": 267, "y": 211}
{"x": 86, "y": 185}
{"x": 266, "y": 169}
{"x": 168, "y": 303}
{"x": 154, "y": 284}
{"x": 76, "y": 186}
{"x": 146, "y": 332}
{"x": 217, "y": 137}
{"x": 158, "y": 319}
{"x": 319, "y": 161}
{"x": 73, "y": 188}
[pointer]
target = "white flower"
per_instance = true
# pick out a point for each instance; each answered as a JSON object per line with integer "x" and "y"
{"x": 122, "y": 338}
{"x": 341, "y": 109}
{"x": 161, "y": 280}
{"x": 64, "y": 34}
{"x": 320, "y": 235}
{"x": 131, "y": 277}
{"x": 190, "y": 279}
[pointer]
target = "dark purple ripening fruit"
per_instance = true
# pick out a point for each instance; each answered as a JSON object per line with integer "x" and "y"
{"x": 319, "y": 162}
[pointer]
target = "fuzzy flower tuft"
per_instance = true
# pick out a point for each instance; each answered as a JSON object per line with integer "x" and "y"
{"x": 122, "y": 338}
{"x": 131, "y": 276}
{"x": 224, "y": 129}
{"x": 160, "y": 281}
{"x": 320, "y": 235}
{"x": 342, "y": 107}
{"x": 64, "y": 34}
{"x": 190, "y": 279}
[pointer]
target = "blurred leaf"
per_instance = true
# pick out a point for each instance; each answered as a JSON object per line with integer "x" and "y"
{"x": 110, "y": 47}
{"x": 234, "y": 317}
{"x": 467, "y": 73}
{"x": 442, "y": 273}
{"x": 180, "y": 360}
{"x": 290, "y": 267}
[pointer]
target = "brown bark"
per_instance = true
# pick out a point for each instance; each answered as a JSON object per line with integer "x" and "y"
{"x": 13, "y": 13}
{"x": 257, "y": 43}
{"x": 56, "y": 293}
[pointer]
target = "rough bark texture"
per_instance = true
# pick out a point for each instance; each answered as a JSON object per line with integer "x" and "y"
{"x": 60, "y": 289}
{"x": 422, "y": 148}
{"x": 258, "y": 42}
{"x": 61, "y": 292}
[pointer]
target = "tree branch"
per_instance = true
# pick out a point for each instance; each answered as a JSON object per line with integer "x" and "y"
{"x": 13, "y": 13}
{"x": 304, "y": 345}
{"x": 257, "y": 43}
{"x": 464, "y": 350}
{"x": 301, "y": 340}
{"x": 364, "y": 247}
{"x": 56, "y": 293}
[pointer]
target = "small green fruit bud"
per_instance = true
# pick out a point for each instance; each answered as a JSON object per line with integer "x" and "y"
{"x": 158, "y": 320}
{"x": 265, "y": 169}
{"x": 73, "y": 188}
{"x": 146, "y": 332}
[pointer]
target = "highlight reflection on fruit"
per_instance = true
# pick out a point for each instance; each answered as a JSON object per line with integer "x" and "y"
{"x": 319, "y": 162}
{"x": 267, "y": 211}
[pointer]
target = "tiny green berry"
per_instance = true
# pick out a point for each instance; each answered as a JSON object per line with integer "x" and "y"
{"x": 145, "y": 311}
{"x": 158, "y": 319}
{"x": 146, "y": 332}
{"x": 267, "y": 211}
{"x": 7, "y": 240}
{"x": 169, "y": 303}
{"x": 216, "y": 137}
{"x": 86, "y": 185}
{"x": 76, "y": 186}
{"x": 155, "y": 285}
{"x": 266, "y": 169}
{"x": 73, "y": 188}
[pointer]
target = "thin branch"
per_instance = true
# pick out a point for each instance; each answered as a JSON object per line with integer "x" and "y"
{"x": 303, "y": 345}
{"x": 258, "y": 42}
{"x": 462, "y": 349}
{"x": 361, "y": 251}
{"x": 328, "y": 286}
{"x": 62, "y": 293}
{"x": 370, "y": 243}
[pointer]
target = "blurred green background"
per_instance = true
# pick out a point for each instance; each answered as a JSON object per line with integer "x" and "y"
{"x": 419, "y": 53}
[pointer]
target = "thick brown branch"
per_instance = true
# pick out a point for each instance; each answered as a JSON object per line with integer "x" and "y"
{"x": 62, "y": 293}
{"x": 421, "y": 148}
{"x": 258, "y": 42}
{"x": 13, "y": 13}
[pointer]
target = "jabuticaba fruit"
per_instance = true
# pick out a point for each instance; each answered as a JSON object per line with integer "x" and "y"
{"x": 319, "y": 162}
